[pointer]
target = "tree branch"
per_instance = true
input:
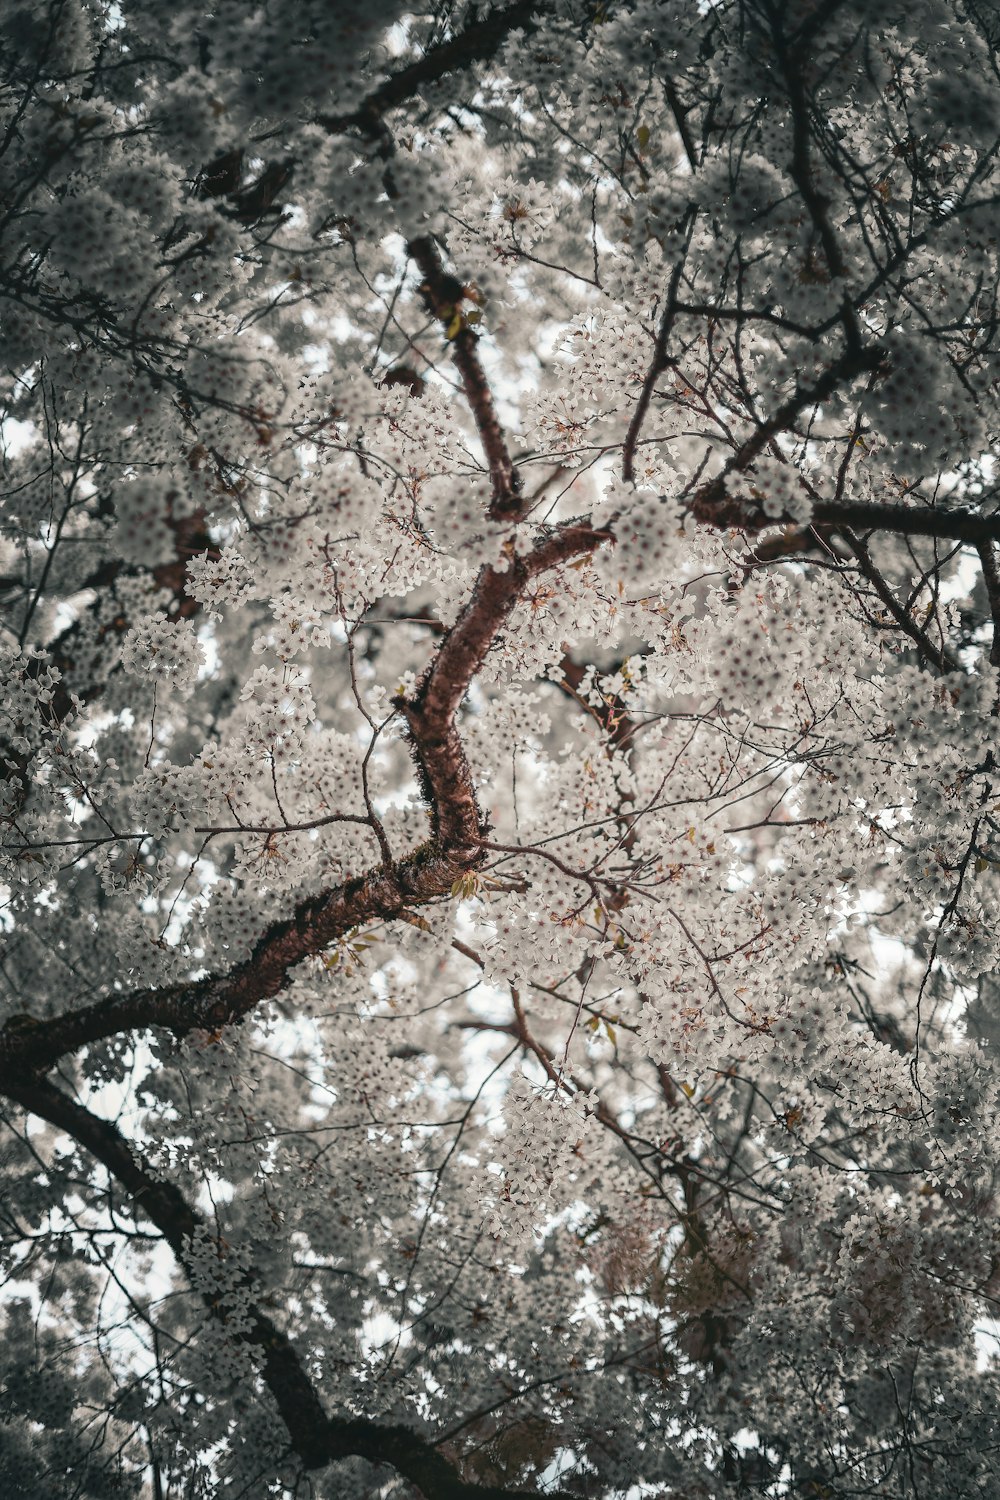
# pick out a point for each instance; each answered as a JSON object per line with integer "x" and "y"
{"x": 991, "y": 581}
{"x": 442, "y": 292}
{"x": 316, "y": 1437}
{"x": 31, "y": 1046}
{"x": 442, "y": 295}
{"x": 942, "y": 659}
{"x": 477, "y": 42}
{"x": 958, "y": 525}
{"x": 713, "y": 506}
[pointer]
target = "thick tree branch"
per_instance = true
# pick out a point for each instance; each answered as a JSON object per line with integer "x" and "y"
{"x": 477, "y": 42}
{"x": 443, "y": 294}
{"x": 959, "y": 524}
{"x": 316, "y": 1437}
{"x": 991, "y": 581}
{"x": 31, "y": 1047}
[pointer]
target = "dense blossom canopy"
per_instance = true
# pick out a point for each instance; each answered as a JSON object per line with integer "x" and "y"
{"x": 499, "y": 718}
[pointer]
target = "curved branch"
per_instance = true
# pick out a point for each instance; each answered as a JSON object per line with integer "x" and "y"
{"x": 30, "y": 1046}
{"x": 318, "y": 1438}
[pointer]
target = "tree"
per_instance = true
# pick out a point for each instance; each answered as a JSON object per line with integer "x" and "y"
{"x": 498, "y": 749}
